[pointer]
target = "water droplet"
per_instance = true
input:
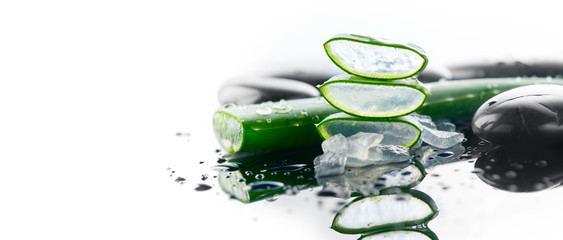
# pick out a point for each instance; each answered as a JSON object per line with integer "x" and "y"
{"x": 204, "y": 177}
{"x": 202, "y": 187}
{"x": 248, "y": 173}
{"x": 541, "y": 163}
{"x": 264, "y": 185}
{"x": 286, "y": 173}
{"x": 445, "y": 154}
{"x": 300, "y": 177}
{"x": 264, "y": 111}
{"x": 379, "y": 185}
{"x": 517, "y": 165}
{"x": 326, "y": 193}
{"x": 180, "y": 180}
{"x": 511, "y": 174}
{"x": 316, "y": 118}
{"x": 224, "y": 168}
{"x": 512, "y": 188}
{"x": 539, "y": 186}
{"x": 268, "y": 120}
{"x": 286, "y": 168}
{"x": 241, "y": 180}
{"x": 221, "y": 160}
{"x": 496, "y": 177}
{"x": 406, "y": 173}
{"x": 259, "y": 176}
{"x": 304, "y": 112}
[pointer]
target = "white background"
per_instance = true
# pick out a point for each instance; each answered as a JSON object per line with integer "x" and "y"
{"x": 92, "y": 94}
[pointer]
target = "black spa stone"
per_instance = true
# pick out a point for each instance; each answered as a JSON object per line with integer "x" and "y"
{"x": 250, "y": 90}
{"x": 524, "y": 116}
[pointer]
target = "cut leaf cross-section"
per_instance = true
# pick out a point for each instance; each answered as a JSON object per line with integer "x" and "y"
{"x": 375, "y": 57}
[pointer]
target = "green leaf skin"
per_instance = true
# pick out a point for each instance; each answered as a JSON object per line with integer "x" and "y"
{"x": 425, "y": 231}
{"x": 378, "y": 42}
{"x": 287, "y": 127}
{"x": 458, "y": 100}
{"x": 352, "y": 80}
{"x": 455, "y": 100}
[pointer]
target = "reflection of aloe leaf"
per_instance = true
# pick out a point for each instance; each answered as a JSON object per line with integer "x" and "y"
{"x": 266, "y": 175}
{"x": 386, "y": 211}
{"x": 402, "y": 234}
{"x": 371, "y": 180}
{"x": 521, "y": 170}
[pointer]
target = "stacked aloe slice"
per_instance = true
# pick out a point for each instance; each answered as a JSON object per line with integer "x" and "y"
{"x": 379, "y": 89}
{"x": 375, "y": 98}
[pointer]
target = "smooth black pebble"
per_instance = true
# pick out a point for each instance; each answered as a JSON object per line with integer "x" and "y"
{"x": 250, "y": 90}
{"x": 525, "y": 116}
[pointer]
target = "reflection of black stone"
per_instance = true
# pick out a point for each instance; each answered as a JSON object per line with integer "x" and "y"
{"x": 249, "y": 90}
{"x": 522, "y": 169}
{"x": 529, "y": 115}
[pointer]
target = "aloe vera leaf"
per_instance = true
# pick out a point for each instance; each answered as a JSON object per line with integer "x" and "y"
{"x": 458, "y": 100}
{"x": 364, "y": 97}
{"x": 291, "y": 123}
{"x": 375, "y": 57}
{"x": 270, "y": 125}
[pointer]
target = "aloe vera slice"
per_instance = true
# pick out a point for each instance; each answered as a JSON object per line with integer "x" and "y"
{"x": 374, "y": 98}
{"x": 375, "y": 57}
{"x": 386, "y": 211}
{"x": 402, "y": 234}
{"x": 404, "y": 131}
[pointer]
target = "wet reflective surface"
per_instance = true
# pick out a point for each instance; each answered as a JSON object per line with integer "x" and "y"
{"x": 106, "y": 115}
